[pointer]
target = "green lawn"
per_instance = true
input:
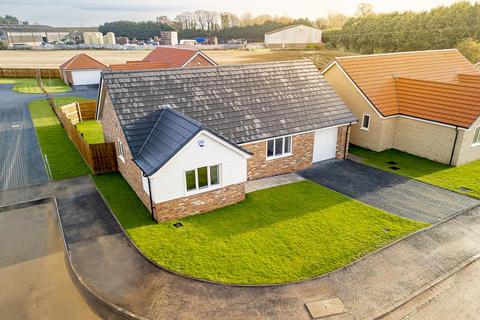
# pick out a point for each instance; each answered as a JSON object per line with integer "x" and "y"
{"x": 278, "y": 235}
{"x": 65, "y": 161}
{"x": 30, "y": 85}
{"x": 453, "y": 178}
{"x": 91, "y": 130}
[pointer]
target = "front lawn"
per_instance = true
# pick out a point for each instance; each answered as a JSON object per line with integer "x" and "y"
{"x": 453, "y": 178}
{"x": 91, "y": 130}
{"x": 30, "y": 85}
{"x": 284, "y": 234}
{"x": 64, "y": 159}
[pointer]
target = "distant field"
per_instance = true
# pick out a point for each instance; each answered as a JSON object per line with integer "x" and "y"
{"x": 49, "y": 59}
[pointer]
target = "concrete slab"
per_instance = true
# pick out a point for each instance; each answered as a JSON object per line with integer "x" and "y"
{"x": 324, "y": 308}
{"x": 270, "y": 182}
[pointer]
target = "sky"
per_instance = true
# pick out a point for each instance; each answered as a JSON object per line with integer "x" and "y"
{"x": 87, "y": 13}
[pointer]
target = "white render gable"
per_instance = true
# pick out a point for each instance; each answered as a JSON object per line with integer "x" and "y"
{"x": 205, "y": 149}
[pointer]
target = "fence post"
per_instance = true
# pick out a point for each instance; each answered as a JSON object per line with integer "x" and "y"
{"x": 79, "y": 111}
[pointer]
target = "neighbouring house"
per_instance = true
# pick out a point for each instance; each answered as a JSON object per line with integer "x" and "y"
{"x": 81, "y": 70}
{"x": 296, "y": 36}
{"x": 426, "y": 103}
{"x": 168, "y": 57}
{"x": 188, "y": 139}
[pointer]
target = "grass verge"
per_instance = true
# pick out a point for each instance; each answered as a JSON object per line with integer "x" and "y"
{"x": 64, "y": 159}
{"x": 453, "y": 178}
{"x": 30, "y": 85}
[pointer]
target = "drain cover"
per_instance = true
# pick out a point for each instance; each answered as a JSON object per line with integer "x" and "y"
{"x": 394, "y": 168}
{"x": 465, "y": 189}
{"x": 392, "y": 162}
{"x": 325, "y": 308}
{"x": 178, "y": 225}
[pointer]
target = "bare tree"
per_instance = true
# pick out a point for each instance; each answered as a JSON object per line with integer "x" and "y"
{"x": 364, "y": 9}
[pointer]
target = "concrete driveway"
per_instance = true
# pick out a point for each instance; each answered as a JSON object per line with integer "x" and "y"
{"x": 35, "y": 283}
{"x": 388, "y": 191}
{"x": 21, "y": 161}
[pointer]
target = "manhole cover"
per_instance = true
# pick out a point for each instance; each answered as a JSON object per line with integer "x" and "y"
{"x": 394, "y": 168}
{"x": 324, "y": 308}
{"x": 392, "y": 162}
{"x": 465, "y": 189}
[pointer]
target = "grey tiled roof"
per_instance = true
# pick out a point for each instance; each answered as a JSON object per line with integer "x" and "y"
{"x": 241, "y": 103}
{"x": 170, "y": 133}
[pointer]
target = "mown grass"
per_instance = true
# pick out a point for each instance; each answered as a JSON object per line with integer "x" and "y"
{"x": 277, "y": 235}
{"x": 30, "y": 85}
{"x": 453, "y": 178}
{"x": 64, "y": 159}
{"x": 91, "y": 130}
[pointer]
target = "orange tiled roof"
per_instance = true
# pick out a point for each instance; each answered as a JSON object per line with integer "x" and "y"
{"x": 174, "y": 57}
{"x": 449, "y": 103}
{"x": 375, "y": 77}
{"x": 138, "y": 65}
{"x": 82, "y": 61}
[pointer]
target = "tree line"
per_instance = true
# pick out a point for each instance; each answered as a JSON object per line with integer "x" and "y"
{"x": 439, "y": 28}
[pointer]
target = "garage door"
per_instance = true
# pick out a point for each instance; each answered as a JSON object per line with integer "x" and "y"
{"x": 86, "y": 77}
{"x": 325, "y": 145}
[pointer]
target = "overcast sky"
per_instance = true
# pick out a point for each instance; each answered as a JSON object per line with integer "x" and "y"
{"x": 94, "y": 12}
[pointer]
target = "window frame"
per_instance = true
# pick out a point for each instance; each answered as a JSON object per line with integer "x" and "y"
{"x": 209, "y": 185}
{"x": 362, "y": 127}
{"x": 476, "y": 137}
{"x": 120, "y": 150}
{"x": 283, "y": 154}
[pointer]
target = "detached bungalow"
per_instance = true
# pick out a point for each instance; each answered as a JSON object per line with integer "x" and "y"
{"x": 82, "y": 70}
{"x": 167, "y": 57}
{"x": 426, "y": 103}
{"x": 188, "y": 139}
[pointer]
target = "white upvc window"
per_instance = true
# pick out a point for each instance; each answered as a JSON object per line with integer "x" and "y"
{"x": 120, "y": 150}
{"x": 279, "y": 147}
{"x": 202, "y": 178}
{"x": 476, "y": 137}
{"x": 365, "y": 125}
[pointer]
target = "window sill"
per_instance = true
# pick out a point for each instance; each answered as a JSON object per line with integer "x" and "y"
{"x": 364, "y": 129}
{"x": 279, "y": 157}
{"x": 202, "y": 190}
{"x": 121, "y": 158}
{"x": 476, "y": 145}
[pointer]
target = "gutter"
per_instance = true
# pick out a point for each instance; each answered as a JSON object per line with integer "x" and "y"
{"x": 454, "y": 146}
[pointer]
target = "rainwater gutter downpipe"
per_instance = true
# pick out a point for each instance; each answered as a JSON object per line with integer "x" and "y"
{"x": 454, "y": 146}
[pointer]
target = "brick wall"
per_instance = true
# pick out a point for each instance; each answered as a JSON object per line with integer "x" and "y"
{"x": 301, "y": 158}
{"x": 202, "y": 202}
{"x": 199, "y": 61}
{"x": 343, "y": 138}
{"x": 128, "y": 169}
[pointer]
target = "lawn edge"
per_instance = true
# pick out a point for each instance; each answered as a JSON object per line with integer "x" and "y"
{"x": 283, "y": 283}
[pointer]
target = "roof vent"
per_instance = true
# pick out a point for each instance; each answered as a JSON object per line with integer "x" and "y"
{"x": 166, "y": 106}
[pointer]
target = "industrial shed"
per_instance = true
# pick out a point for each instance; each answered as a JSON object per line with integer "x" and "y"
{"x": 81, "y": 70}
{"x": 298, "y": 36}
{"x": 31, "y": 35}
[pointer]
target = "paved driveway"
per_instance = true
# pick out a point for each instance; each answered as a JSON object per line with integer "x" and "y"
{"x": 388, "y": 191}
{"x": 21, "y": 161}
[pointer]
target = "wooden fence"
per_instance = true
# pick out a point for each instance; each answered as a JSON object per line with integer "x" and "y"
{"x": 29, "y": 73}
{"x": 80, "y": 111}
{"x": 100, "y": 157}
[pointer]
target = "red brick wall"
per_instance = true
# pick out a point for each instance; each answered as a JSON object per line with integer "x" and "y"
{"x": 128, "y": 169}
{"x": 199, "y": 61}
{"x": 202, "y": 202}
{"x": 301, "y": 158}
{"x": 343, "y": 139}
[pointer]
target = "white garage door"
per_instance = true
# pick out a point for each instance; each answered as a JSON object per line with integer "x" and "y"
{"x": 325, "y": 145}
{"x": 85, "y": 77}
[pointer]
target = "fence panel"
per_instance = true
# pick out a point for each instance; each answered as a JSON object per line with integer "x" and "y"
{"x": 101, "y": 157}
{"x": 29, "y": 73}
